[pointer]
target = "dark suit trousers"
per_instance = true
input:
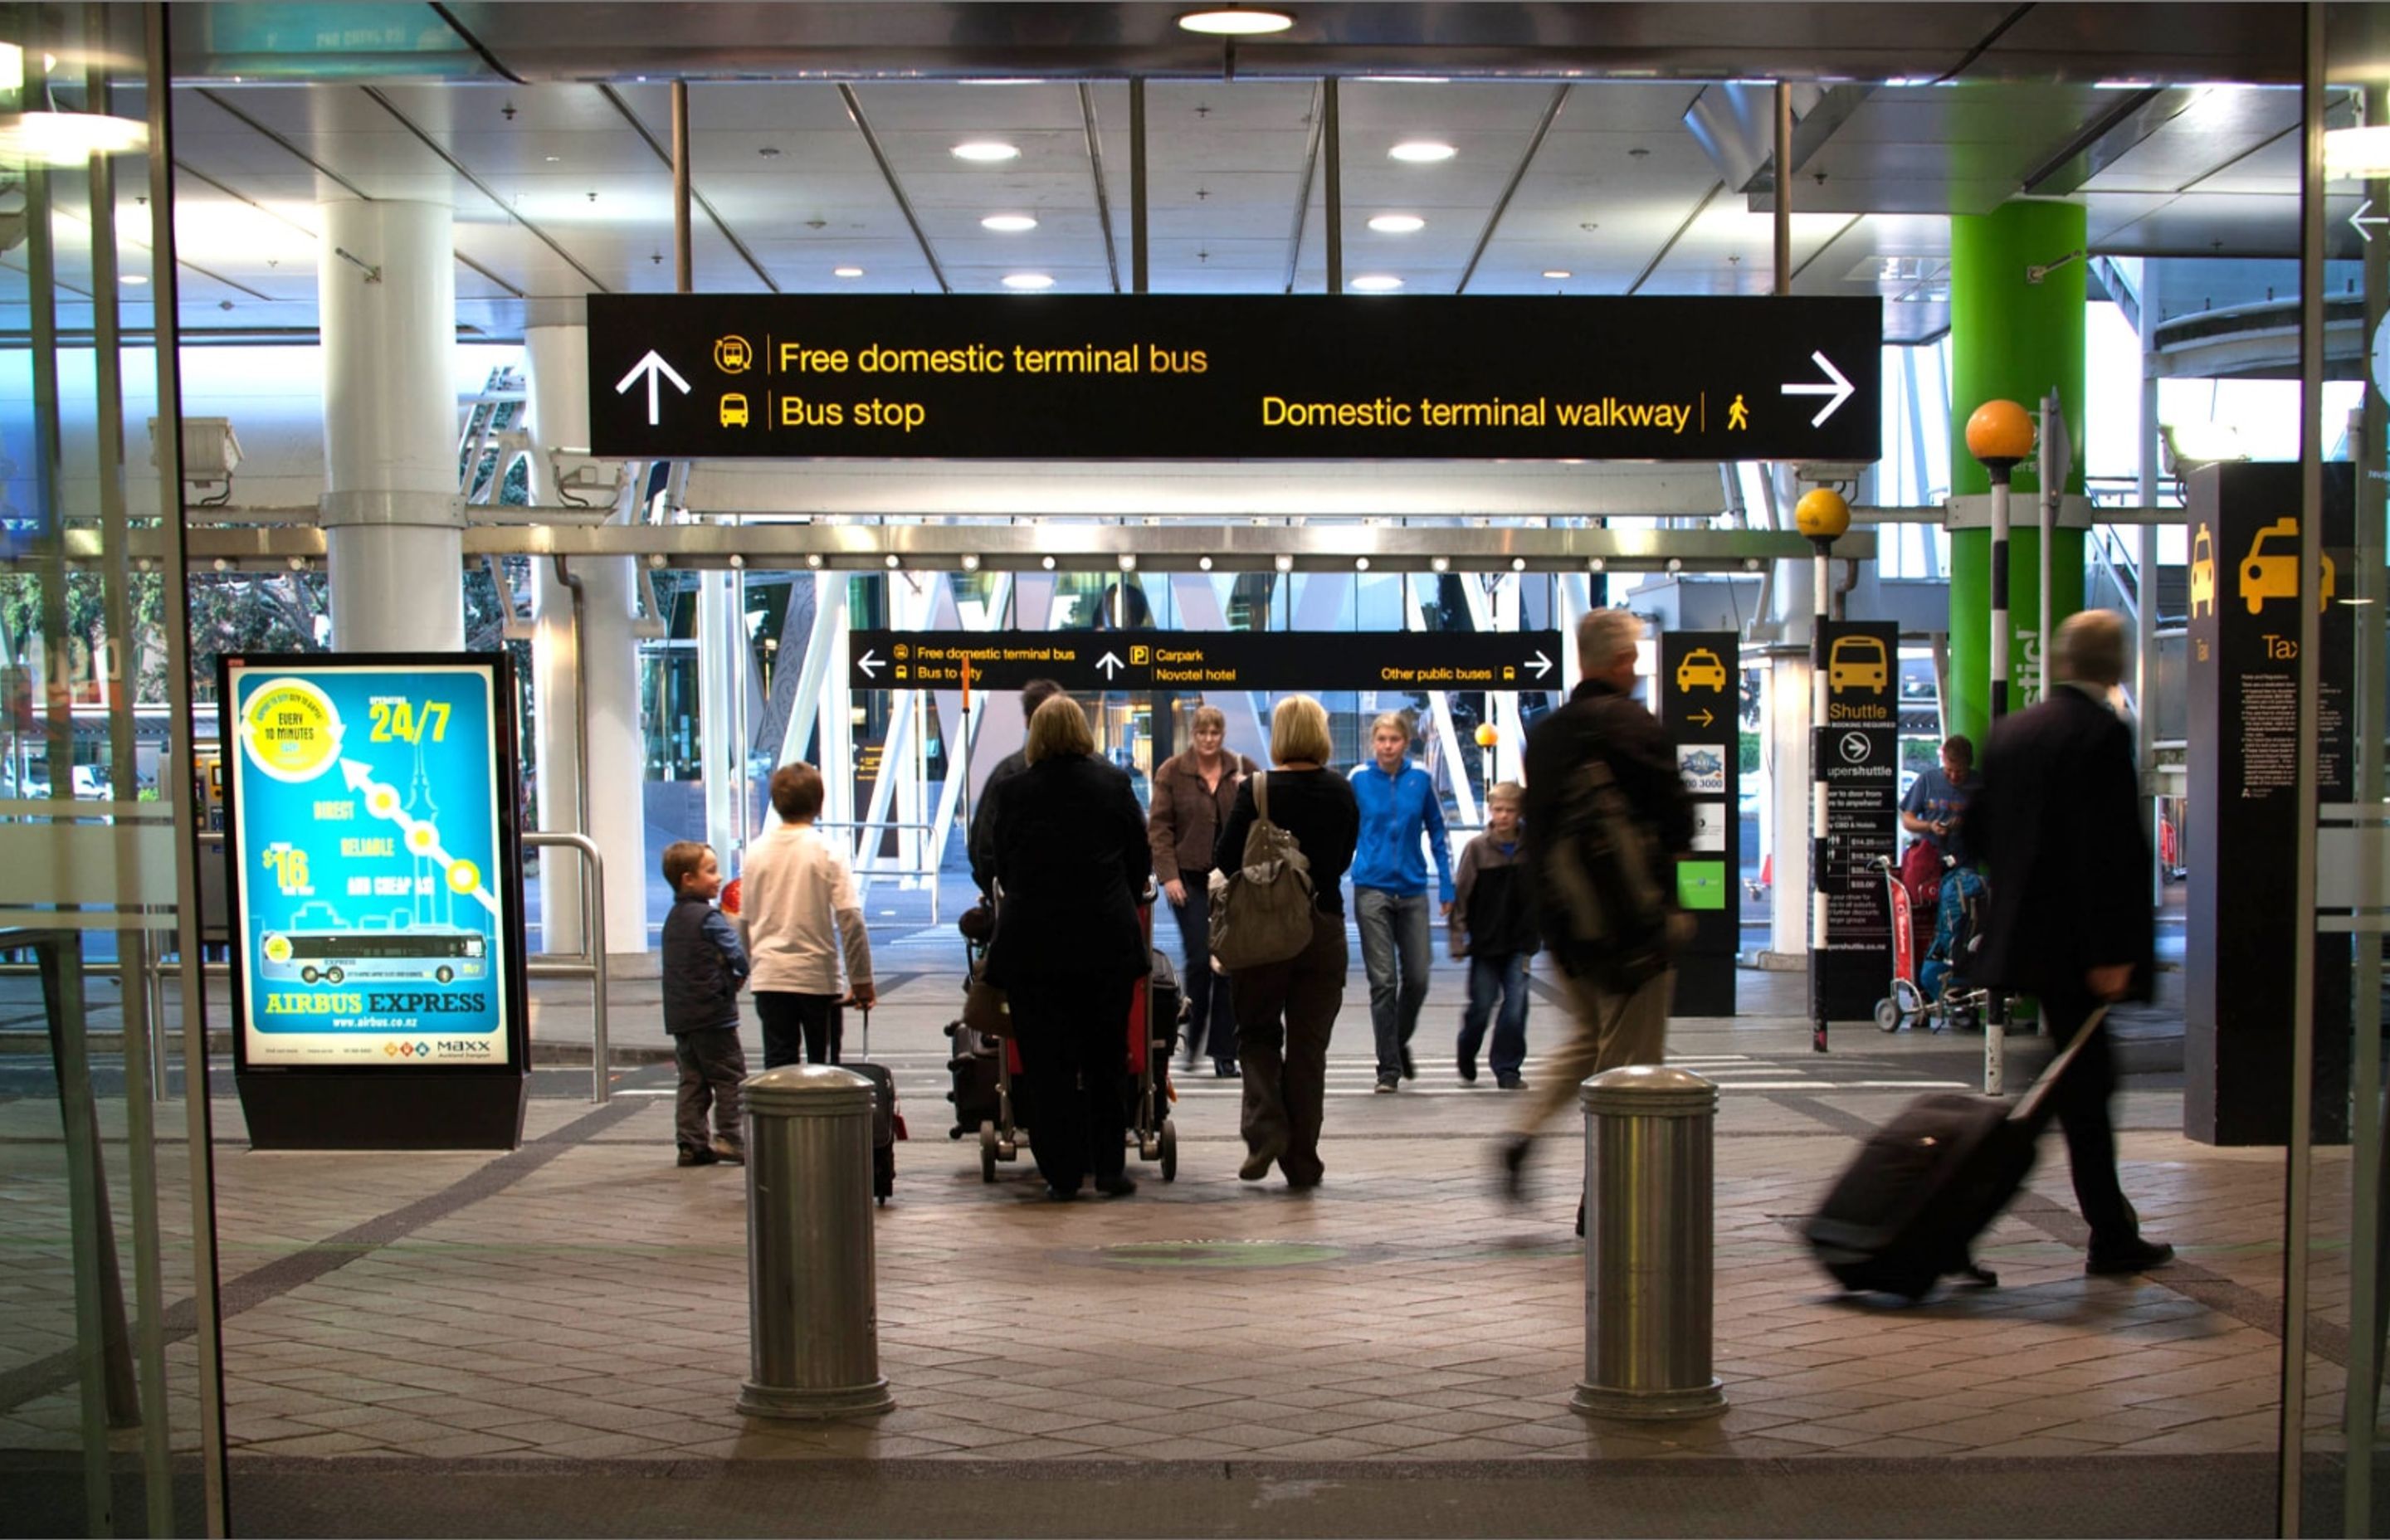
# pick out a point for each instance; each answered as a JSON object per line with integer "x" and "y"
{"x": 1285, "y": 1012}
{"x": 2081, "y": 1102}
{"x": 1073, "y": 1035}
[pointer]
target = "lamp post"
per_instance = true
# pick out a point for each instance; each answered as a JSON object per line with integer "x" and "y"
{"x": 2000, "y": 434}
{"x": 1823, "y": 516}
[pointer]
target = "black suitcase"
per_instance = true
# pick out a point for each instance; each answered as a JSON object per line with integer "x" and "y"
{"x": 1905, "y": 1212}
{"x": 884, "y": 1121}
{"x": 975, "y": 1065}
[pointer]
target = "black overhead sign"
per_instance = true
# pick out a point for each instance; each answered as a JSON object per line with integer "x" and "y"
{"x": 1234, "y": 377}
{"x": 1196, "y": 660}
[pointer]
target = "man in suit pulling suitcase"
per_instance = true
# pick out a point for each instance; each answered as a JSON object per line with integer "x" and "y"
{"x": 2057, "y": 819}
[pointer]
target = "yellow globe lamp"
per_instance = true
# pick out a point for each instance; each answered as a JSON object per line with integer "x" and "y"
{"x": 1488, "y": 734}
{"x": 1821, "y": 514}
{"x": 2000, "y": 434}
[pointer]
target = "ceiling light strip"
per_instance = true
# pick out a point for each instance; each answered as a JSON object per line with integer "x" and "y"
{"x": 895, "y": 188}
{"x": 1096, "y": 165}
{"x": 1303, "y": 190}
{"x": 1510, "y": 188}
{"x": 483, "y": 188}
{"x": 1670, "y": 244}
{"x": 664, "y": 154}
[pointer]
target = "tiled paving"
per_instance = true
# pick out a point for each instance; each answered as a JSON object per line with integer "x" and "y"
{"x": 585, "y": 1300}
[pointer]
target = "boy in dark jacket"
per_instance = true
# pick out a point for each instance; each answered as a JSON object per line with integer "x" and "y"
{"x": 1494, "y": 926}
{"x": 703, "y": 966}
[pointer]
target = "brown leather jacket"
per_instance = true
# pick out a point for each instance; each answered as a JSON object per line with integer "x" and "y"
{"x": 1185, "y": 818}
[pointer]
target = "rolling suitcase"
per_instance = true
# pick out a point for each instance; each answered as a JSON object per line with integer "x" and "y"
{"x": 887, "y": 1124}
{"x": 1907, "y": 1211}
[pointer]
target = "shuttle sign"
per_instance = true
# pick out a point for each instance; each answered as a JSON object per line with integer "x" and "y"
{"x": 1230, "y": 377}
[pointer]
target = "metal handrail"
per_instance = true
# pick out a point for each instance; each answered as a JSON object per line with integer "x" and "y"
{"x": 864, "y": 874}
{"x": 590, "y": 962}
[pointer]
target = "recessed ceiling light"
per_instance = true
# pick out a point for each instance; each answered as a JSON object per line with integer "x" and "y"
{"x": 1028, "y": 280}
{"x": 136, "y": 279}
{"x": 1009, "y": 224}
{"x": 2349, "y": 153}
{"x": 1397, "y": 225}
{"x": 1377, "y": 283}
{"x": 985, "y": 149}
{"x": 66, "y": 139}
{"x": 1422, "y": 151}
{"x": 1558, "y": 273}
{"x": 553, "y": 158}
{"x": 1235, "y": 22}
{"x": 847, "y": 272}
{"x": 1403, "y": 80}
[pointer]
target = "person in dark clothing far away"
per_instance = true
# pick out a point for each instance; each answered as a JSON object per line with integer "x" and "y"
{"x": 1603, "y": 721}
{"x": 703, "y": 966}
{"x": 2058, "y": 820}
{"x": 982, "y": 843}
{"x": 1073, "y": 863}
{"x": 1286, "y": 1011}
{"x": 1192, "y": 795}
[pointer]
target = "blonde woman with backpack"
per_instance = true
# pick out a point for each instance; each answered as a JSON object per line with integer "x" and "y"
{"x": 1286, "y": 1011}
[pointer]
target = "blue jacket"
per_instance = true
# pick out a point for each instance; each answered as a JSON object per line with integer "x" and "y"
{"x": 1395, "y": 810}
{"x": 703, "y": 966}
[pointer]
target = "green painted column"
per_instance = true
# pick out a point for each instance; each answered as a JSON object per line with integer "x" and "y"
{"x": 2014, "y": 339}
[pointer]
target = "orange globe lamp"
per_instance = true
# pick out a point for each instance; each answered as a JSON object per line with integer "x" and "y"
{"x": 1488, "y": 734}
{"x": 1823, "y": 514}
{"x": 2000, "y": 433}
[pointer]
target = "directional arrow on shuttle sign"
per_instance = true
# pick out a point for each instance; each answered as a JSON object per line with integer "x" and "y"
{"x": 1541, "y": 664}
{"x": 653, "y": 366}
{"x": 871, "y": 663}
{"x": 1839, "y": 391}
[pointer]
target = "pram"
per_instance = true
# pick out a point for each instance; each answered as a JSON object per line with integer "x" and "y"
{"x": 986, "y": 1070}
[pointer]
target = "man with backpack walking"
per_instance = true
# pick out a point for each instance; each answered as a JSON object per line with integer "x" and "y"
{"x": 1606, "y": 814}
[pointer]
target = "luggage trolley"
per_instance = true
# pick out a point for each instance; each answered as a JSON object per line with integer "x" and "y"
{"x": 985, "y": 1070}
{"x": 1933, "y": 993}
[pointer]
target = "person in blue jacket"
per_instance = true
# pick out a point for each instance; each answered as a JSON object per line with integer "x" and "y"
{"x": 1398, "y": 810}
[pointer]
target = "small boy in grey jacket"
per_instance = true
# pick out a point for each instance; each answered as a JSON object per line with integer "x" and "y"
{"x": 1494, "y": 926}
{"x": 703, "y": 967}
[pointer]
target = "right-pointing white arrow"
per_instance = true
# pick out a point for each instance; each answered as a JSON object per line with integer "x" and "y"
{"x": 2360, "y": 220}
{"x": 871, "y": 663}
{"x": 1541, "y": 664}
{"x": 1838, "y": 392}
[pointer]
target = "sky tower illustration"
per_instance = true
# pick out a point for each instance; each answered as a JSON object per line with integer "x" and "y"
{"x": 436, "y": 902}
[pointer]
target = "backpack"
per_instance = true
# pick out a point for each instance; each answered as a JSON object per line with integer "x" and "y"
{"x": 1261, "y": 912}
{"x": 1602, "y": 907}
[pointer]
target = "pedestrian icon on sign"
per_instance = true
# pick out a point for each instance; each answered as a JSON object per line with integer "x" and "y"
{"x": 1737, "y": 415}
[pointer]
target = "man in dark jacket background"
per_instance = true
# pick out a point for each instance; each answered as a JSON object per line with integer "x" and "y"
{"x": 2058, "y": 821}
{"x": 1602, "y": 720}
{"x": 981, "y": 846}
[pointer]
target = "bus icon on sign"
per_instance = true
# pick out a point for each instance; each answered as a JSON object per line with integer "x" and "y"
{"x": 734, "y": 410}
{"x": 732, "y": 354}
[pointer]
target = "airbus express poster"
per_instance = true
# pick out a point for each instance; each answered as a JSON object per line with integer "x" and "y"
{"x": 369, "y": 857}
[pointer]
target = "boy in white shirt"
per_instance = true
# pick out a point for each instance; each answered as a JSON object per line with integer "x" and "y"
{"x": 799, "y": 910}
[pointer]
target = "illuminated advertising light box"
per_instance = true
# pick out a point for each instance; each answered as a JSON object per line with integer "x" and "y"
{"x": 374, "y": 863}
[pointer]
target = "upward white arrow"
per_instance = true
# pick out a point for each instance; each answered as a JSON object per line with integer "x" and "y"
{"x": 1838, "y": 392}
{"x": 654, "y": 367}
{"x": 1111, "y": 665}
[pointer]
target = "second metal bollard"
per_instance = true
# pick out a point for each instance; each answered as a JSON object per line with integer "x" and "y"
{"x": 1648, "y": 1248}
{"x": 811, "y": 1293}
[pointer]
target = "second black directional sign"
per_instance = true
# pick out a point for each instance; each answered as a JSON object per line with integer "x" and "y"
{"x": 1196, "y": 660}
{"x": 1217, "y": 377}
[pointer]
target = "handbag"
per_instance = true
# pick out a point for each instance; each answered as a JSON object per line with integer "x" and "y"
{"x": 986, "y": 1008}
{"x": 1920, "y": 873}
{"x": 1261, "y": 912}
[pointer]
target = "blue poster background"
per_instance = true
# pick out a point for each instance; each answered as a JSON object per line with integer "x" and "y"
{"x": 366, "y": 840}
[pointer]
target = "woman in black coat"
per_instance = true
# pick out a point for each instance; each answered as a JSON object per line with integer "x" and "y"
{"x": 1071, "y": 862}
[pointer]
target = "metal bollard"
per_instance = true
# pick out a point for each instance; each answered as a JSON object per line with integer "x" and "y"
{"x": 811, "y": 1295}
{"x": 1648, "y": 1245}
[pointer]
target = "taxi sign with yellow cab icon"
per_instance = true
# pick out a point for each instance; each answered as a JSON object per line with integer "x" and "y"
{"x": 1701, "y": 670}
{"x": 2271, "y": 571}
{"x": 2203, "y": 572}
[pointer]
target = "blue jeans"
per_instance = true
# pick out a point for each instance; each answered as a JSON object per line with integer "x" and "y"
{"x": 1393, "y": 954}
{"x": 1492, "y": 979}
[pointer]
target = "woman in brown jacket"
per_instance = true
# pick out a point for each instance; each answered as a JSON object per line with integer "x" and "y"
{"x": 1192, "y": 795}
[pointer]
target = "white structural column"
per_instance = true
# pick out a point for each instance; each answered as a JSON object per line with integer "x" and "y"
{"x": 393, "y": 521}
{"x": 615, "y": 770}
